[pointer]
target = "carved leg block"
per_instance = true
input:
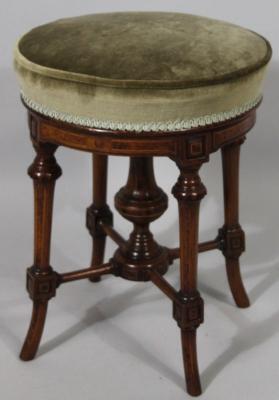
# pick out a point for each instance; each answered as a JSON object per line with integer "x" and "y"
{"x": 188, "y": 311}
{"x": 41, "y": 286}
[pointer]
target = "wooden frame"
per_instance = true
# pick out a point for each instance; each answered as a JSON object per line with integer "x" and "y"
{"x": 141, "y": 201}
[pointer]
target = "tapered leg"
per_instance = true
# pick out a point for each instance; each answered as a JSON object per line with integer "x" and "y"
{"x": 188, "y": 310}
{"x": 232, "y": 235}
{"x": 98, "y": 211}
{"x": 41, "y": 279}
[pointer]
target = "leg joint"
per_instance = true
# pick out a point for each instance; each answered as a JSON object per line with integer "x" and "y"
{"x": 232, "y": 241}
{"x": 188, "y": 311}
{"x": 41, "y": 285}
{"x": 95, "y": 217}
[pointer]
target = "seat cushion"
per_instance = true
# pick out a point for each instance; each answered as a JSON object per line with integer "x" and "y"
{"x": 141, "y": 71}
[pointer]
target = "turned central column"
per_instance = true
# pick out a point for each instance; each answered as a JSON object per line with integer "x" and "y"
{"x": 141, "y": 201}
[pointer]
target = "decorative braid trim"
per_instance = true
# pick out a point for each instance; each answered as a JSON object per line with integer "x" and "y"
{"x": 167, "y": 126}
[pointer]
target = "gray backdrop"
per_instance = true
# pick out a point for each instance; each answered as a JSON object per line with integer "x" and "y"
{"x": 117, "y": 339}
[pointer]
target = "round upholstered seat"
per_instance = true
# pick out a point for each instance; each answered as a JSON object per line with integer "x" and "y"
{"x": 141, "y": 71}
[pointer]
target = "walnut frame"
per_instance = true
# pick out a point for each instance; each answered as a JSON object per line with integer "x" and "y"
{"x": 140, "y": 258}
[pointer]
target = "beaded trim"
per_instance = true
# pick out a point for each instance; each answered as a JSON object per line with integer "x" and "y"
{"x": 168, "y": 126}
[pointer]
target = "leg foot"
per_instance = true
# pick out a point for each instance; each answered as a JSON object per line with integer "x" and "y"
{"x": 189, "y": 350}
{"x": 235, "y": 281}
{"x": 35, "y": 331}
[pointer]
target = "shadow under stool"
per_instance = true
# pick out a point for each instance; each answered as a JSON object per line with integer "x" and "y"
{"x": 140, "y": 85}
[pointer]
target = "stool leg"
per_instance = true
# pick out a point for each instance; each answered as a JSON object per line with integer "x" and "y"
{"x": 232, "y": 235}
{"x": 98, "y": 211}
{"x": 188, "y": 311}
{"x": 41, "y": 279}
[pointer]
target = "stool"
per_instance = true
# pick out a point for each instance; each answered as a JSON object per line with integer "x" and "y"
{"x": 141, "y": 85}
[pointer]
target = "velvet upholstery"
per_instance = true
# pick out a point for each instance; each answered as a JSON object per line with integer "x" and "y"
{"x": 141, "y": 68}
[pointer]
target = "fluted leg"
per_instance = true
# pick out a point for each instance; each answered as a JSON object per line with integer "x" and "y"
{"x": 41, "y": 279}
{"x": 98, "y": 211}
{"x": 233, "y": 238}
{"x": 188, "y": 312}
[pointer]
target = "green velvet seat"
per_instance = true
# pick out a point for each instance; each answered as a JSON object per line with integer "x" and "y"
{"x": 141, "y": 71}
